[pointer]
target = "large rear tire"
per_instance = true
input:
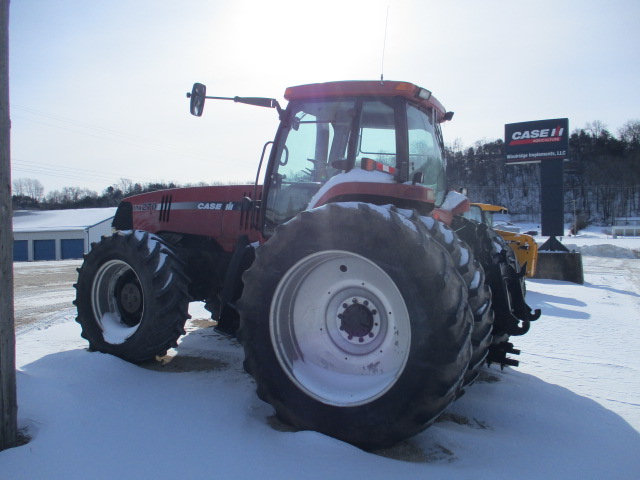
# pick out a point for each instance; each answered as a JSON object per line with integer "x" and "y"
{"x": 355, "y": 324}
{"x": 132, "y": 296}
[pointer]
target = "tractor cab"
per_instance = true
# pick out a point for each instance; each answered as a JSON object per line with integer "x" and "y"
{"x": 373, "y": 141}
{"x": 483, "y": 213}
{"x": 340, "y": 141}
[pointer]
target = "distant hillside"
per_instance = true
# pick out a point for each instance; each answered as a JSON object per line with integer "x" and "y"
{"x": 601, "y": 178}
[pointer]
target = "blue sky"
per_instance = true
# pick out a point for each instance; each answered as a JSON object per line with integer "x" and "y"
{"x": 98, "y": 87}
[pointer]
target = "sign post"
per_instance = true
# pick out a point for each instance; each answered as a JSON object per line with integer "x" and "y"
{"x": 547, "y": 142}
{"x": 552, "y": 197}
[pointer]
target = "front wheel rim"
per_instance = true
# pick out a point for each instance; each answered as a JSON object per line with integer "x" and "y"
{"x": 340, "y": 328}
{"x": 117, "y": 301}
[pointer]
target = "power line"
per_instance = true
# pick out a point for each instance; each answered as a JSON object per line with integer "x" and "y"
{"x": 42, "y": 169}
{"x": 24, "y": 167}
{"x": 47, "y": 167}
{"x": 107, "y": 133}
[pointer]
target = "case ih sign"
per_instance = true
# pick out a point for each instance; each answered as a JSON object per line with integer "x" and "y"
{"x": 529, "y": 142}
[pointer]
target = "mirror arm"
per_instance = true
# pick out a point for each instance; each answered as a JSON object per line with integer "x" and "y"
{"x": 256, "y": 101}
{"x": 199, "y": 93}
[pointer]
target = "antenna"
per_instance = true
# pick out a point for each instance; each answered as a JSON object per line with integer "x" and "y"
{"x": 384, "y": 44}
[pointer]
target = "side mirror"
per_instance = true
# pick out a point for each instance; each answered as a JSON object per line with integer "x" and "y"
{"x": 197, "y": 97}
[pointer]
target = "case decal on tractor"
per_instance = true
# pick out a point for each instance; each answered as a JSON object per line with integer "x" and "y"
{"x": 226, "y": 206}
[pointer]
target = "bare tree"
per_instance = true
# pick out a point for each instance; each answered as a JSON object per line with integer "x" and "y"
{"x": 595, "y": 128}
{"x": 28, "y": 187}
{"x": 125, "y": 185}
{"x": 72, "y": 194}
{"x": 18, "y": 187}
{"x": 630, "y": 131}
{"x": 34, "y": 189}
{"x": 8, "y": 397}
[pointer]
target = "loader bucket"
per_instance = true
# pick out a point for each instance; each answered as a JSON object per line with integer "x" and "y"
{"x": 556, "y": 262}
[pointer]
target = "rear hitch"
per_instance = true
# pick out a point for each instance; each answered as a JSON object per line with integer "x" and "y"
{"x": 498, "y": 354}
{"x": 511, "y": 301}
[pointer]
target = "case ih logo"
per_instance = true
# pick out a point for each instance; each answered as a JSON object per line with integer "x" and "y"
{"x": 216, "y": 206}
{"x": 537, "y": 136}
{"x": 535, "y": 141}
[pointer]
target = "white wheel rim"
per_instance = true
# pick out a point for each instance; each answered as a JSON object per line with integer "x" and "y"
{"x": 340, "y": 328}
{"x": 107, "y": 311}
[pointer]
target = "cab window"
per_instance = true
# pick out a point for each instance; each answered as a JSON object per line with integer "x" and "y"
{"x": 311, "y": 150}
{"x": 377, "y": 133}
{"x": 425, "y": 154}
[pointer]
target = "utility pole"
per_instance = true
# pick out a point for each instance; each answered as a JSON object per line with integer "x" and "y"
{"x": 8, "y": 397}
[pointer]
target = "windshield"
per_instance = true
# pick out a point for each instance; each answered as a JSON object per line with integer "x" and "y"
{"x": 310, "y": 151}
{"x": 474, "y": 213}
{"x": 477, "y": 214}
{"x": 315, "y": 143}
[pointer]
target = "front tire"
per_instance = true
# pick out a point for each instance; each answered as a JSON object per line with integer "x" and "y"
{"x": 503, "y": 274}
{"x": 132, "y": 296}
{"x": 479, "y": 292}
{"x": 355, "y": 324}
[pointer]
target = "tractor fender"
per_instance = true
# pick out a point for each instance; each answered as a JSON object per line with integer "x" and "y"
{"x": 376, "y": 187}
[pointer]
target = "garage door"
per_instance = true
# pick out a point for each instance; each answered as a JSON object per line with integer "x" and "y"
{"x": 72, "y": 248}
{"x": 20, "y": 250}
{"x": 44, "y": 250}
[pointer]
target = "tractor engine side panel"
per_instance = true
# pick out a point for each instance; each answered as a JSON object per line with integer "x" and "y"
{"x": 217, "y": 212}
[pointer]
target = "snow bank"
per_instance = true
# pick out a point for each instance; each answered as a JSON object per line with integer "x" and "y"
{"x": 572, "y": 409}
{"x": 604, "y": 250}
{"x": 94, "y": 415}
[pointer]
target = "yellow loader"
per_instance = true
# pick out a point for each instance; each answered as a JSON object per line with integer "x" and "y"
{"x": 524, "y": 246}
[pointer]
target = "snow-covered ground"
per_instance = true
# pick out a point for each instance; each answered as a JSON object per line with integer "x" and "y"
{"x": 571, "y": 410}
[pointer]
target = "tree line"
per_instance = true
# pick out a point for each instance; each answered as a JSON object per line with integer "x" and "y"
{"x": 601, "y": 176}
{"x": 28, "y": 194}
{"x": 601, "y": 179}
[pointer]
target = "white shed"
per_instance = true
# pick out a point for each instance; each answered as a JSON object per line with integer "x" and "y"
{"x": 58, "y": 234}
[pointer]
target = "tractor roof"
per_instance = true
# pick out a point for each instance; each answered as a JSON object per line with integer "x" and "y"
{"x": 375, "y": 88}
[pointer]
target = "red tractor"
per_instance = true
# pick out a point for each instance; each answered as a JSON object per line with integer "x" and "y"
{"x": 362, "y": 314}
